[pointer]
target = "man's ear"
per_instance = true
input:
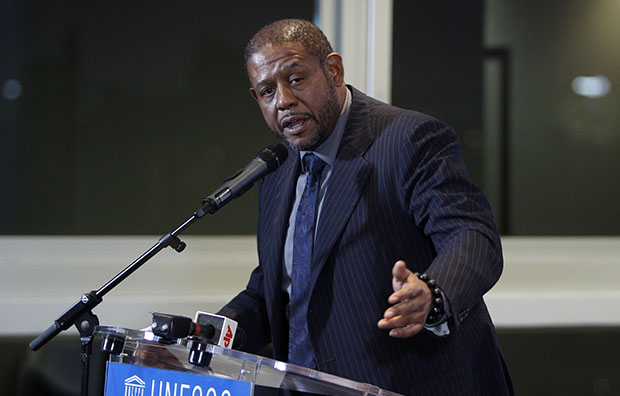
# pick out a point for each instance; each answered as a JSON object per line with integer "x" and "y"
{"x": 253, "y": 93}
{"x": 335, "y": 69}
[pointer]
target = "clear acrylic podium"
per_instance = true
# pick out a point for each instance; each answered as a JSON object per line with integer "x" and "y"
{"x": 142, "y": 348}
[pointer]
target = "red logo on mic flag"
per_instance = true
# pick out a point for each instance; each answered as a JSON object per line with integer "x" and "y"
{"x": 228, "y": 336}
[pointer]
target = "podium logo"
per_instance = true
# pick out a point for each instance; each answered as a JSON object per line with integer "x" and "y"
{"x": 147, "y": 381}
{"x": 228, "y": 337}
{"x": 134, "y": 386}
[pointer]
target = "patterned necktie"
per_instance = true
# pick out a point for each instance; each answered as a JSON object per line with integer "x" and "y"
{"x": 300, "y": 349}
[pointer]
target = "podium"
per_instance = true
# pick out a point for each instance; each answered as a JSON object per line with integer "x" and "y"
{"x": 140, "y": 364}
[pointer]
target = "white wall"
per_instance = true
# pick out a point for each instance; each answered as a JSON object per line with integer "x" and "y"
{"x": 40, "y": 277}
{"x": 546, "y": 281}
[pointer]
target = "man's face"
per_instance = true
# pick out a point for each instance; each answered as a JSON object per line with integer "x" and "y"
{"x": 296, "y": 93}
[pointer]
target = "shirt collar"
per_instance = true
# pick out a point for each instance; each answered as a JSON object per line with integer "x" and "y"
{"x": 328, "y": 150}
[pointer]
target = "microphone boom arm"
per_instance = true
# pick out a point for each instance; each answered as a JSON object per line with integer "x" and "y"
{"x": 80, "y": 314}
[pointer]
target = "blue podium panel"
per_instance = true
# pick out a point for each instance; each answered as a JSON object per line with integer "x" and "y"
{"x": 129, "y": 380}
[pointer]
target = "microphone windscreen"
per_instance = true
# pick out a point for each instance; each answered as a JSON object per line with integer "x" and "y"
{"x": 273, "y": 155}
{"x": 224, "y": 328}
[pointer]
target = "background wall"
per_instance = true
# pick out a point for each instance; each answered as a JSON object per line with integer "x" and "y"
{"x": 129, "y": 113}
{"x": 437, "y": 68}
{"x": 119, "y": 119}
{"x": 562, "y": 152}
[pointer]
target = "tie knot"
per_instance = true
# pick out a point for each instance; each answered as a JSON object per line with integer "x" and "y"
{"x": 313, "y": 163}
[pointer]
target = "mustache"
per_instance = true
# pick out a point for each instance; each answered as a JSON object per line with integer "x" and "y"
{"x": 284, "y": 119}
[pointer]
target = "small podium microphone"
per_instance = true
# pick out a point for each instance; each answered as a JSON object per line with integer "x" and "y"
{"x": 212, "y": 328}
{"x": 225, "y": 333}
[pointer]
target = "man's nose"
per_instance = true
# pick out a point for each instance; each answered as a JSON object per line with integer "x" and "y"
{"x": 286, "y": 97}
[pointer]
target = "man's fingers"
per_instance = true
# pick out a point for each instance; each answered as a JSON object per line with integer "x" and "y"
{"x": 403, "y": 314}
{"x": 403, "y": 325}
{"x": 414, "y": 289}
{"x": 402, "y": 321}
{"x": 405, "y": 307}
{"x": 405, "y": 332}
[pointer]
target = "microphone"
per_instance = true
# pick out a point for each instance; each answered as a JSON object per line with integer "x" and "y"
{"x": 267, "y": 160}
{"x": 214, "y": 329}
{"x": 172, "y": 327}
{"x": 225, "y": 333}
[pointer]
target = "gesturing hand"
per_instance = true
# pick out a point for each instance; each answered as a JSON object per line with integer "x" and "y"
{"x": 411, "y": 303}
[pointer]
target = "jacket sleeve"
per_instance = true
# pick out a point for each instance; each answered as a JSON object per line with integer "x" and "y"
{"x": 454, "y": 213}
{"x": 249, "y": 310}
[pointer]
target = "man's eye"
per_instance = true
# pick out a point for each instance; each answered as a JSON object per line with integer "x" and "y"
{"x": 266, "y": 91}
{"x": 296, "y": 80}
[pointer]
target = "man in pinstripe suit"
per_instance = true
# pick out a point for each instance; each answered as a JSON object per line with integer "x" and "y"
{"x": 394, "y": 201}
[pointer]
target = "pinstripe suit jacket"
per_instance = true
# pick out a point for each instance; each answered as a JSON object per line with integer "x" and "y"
{"x": 398, "y": 191}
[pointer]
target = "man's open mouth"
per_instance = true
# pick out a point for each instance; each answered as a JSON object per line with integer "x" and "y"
{"x": 293, "y": 124}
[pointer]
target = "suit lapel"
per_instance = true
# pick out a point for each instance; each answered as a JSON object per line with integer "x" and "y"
{"x": 277, "y": 200}
{"x": 349, "y": 177}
